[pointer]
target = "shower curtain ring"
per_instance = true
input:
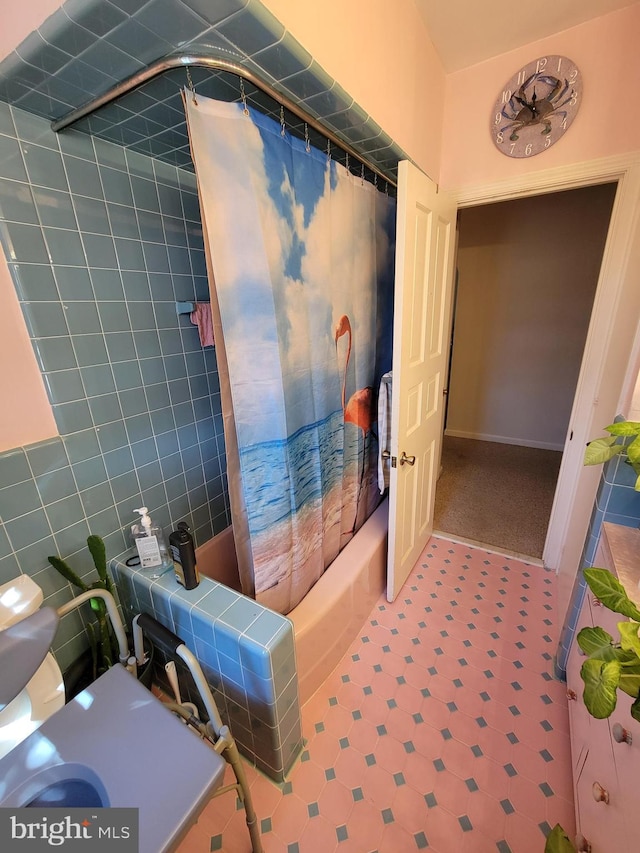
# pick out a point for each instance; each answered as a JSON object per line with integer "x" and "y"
{"x": 245, "y": 108}
{"x": 328, "y": 149}
{"x": 191, "y": 86}
{"x": 307, "y": 144}
{"x": 282, "y": 124}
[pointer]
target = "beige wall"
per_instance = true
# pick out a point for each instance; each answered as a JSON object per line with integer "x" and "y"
{"x": 29, "y": 417}
{"x": 605, "y": 50}
{"x": 528, "y": 271}
{"x": 382, "y": 56}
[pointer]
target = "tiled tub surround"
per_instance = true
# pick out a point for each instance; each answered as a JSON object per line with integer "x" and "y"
{"x": 335, "y": 607}
{"x": 616, "y": 502}
{"x": 87, "y": 46}
{"x": 246, "y": 652}
{"x": 101, "y": 242}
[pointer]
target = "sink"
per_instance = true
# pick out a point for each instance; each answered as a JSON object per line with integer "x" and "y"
{"x": 68, "y": 785}
{"x": 115, "y": 745}
{"x": 72, "y": 793}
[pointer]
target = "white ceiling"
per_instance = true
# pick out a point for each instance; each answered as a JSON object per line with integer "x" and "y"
{"x": 465, "y": 32}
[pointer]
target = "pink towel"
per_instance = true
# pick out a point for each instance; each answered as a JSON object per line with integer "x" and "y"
{"x": 201, "y": 317}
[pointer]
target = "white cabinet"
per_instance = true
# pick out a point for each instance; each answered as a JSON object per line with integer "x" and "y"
{"x": 606, "y": 753}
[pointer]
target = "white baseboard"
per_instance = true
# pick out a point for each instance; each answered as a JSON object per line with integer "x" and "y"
{"x": 501, "y": 439}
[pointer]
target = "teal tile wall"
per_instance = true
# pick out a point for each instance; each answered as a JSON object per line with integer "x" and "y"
{"x": 246, "y": 653}
{"x": 87, "y": 46}
{"x": 101, "y": 242}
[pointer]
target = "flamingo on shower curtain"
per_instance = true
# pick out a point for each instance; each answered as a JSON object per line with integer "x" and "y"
{"x": 359, "y": 409}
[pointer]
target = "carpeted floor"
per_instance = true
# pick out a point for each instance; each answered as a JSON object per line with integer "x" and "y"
{"x": 496, "y": 494}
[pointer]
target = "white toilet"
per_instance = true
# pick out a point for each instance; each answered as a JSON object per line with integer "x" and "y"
{"x": 44, "y": 694}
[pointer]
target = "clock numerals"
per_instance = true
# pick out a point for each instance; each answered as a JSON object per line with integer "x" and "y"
{"x": 536, "y": 106}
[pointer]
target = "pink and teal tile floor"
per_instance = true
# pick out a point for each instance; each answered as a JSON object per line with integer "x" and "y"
{"x": 441, "y": 729}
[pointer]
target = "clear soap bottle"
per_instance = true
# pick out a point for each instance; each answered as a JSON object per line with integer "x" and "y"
{"x": 155, "y": 558}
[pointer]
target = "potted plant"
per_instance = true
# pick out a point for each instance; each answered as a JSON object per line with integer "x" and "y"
{"x": 103, "y": 647}
{"x": 611, "y": 664}
{"x": 623, "y": 437}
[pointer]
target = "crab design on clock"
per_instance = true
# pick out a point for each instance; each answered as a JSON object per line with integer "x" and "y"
{"x": 536, "y": 106}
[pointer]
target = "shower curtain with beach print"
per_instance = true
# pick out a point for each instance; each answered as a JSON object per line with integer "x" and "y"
{"x": 301, "y": 262}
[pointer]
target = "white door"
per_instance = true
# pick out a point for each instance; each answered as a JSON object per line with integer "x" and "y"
{"x": 425, "y": 249}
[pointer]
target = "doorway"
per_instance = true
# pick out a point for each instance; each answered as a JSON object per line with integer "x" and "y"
{"x": 528, "y": 270}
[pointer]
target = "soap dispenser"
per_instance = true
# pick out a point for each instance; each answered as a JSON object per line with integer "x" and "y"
{"x": 150, "y": 543}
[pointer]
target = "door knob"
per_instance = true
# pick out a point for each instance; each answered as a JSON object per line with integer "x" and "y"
{"x": 582, "y": 845}
{"x": 410, "y": 460}
{"x": 600, "y": 794}
{"x": 621, "y": 735}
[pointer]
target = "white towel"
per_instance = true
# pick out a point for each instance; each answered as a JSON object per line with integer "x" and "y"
{"x": 384, "y": 430}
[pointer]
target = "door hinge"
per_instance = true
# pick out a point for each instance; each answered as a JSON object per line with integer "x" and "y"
{"x": 394, "y": 461}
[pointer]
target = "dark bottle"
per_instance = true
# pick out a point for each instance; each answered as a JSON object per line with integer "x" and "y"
{"x": 184, "y": 556}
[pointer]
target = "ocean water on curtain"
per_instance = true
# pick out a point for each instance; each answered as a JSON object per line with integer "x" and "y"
{"x": 302, "y": 256}
{"x": 297, "y": 515}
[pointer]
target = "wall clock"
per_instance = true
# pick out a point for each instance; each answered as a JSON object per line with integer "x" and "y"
{"x": 536, "y": 106}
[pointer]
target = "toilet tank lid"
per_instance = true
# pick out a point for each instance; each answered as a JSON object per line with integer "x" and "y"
{"x": 23, "y": 647}
{"x": 18, "y": 599}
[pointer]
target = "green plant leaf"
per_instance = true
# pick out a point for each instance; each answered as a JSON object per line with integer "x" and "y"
{"x": 99, "y": 554}
{"x": 600, "y": 682}
{"x": 635, "y": 710}
{"x": 624, "y": 428}
{"x": 629, "y": 639}
{"x": 558, "y": 841}
{"x": 93, "y": 644}
{"x": 105, "y": 644}
{"x": 630, "y": 679}
{"x": 633, "y": 451}
{"x": 67, "y": 572}
{"x": 95, "y": 545}
{"x": 611, "y": 593}
{"x": 596, "y": 643}
{"x": 601, "y": 450}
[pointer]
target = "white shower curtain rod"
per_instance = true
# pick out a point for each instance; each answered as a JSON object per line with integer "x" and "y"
{"x": 171, "y": 62}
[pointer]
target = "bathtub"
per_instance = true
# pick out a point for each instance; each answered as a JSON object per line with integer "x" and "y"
{"x": 336, "y": 607}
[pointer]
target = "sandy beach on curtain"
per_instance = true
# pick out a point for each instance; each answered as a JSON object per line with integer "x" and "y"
{"x": 301, "y": 537}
